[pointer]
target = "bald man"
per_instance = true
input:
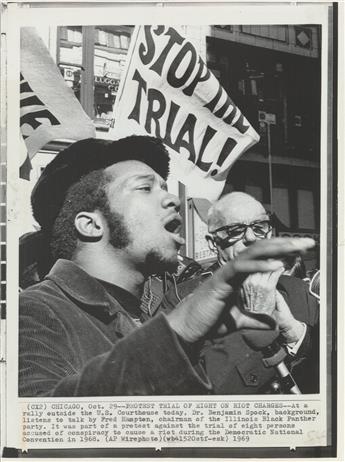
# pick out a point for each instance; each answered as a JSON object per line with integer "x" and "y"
{"x": 229, "y": 222}
{"x": 235, "y": 222}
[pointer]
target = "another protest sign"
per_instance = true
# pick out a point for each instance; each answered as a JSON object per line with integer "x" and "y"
{"x": 49, "y": 109}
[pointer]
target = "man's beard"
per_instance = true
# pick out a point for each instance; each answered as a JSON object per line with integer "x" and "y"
{"x": 156, "y": 263}
{"x": 120, "y": 237}
{"x": 119, "y": 234}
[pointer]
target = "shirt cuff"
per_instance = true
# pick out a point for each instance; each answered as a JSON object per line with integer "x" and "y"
{"x": 292, "y": 348}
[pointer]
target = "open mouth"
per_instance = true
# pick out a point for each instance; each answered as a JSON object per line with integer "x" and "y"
{"x": 173, "y": 226}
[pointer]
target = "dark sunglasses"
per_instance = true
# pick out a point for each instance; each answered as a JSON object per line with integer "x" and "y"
{"x": 228, "y": 235}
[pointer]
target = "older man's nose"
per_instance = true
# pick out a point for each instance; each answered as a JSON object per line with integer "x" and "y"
{"x": 249, "y": 236}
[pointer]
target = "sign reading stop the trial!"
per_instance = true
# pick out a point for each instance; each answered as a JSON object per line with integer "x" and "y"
{"x": 167, "y": 91}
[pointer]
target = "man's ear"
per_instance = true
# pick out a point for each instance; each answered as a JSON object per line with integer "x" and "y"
{"x": 89, "y": 225}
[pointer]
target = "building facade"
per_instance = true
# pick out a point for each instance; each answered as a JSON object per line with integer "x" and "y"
{"x": 273, "y": 73}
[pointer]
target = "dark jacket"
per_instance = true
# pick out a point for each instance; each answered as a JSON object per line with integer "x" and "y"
{"x": 77, "y": 340}
{"x": 235, "y": 368}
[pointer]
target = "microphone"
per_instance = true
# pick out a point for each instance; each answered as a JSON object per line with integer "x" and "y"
{"x": 273, "y": 355}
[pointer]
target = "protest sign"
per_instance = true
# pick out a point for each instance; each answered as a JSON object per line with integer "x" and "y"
{"x": 167, "y": 91}
{"x": 48, "y": 108}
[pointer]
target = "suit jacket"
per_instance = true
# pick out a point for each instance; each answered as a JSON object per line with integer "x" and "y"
{"x": 234, "y": 367}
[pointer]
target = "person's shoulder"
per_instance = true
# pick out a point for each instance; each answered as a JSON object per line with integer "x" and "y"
{"x": 302, "y": 304}
{"x": 36, "y": 289}
{"x": 292, "y": 282}
{"x": 40, "y": 296}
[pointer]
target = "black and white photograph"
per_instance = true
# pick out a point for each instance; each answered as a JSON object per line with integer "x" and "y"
{"x": 170, "y": 230}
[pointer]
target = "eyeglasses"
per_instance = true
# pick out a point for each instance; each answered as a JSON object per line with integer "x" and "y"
{"x": 228, "y": 235}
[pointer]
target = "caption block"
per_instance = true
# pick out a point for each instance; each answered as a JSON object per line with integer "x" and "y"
{"x": 158, "y": 424}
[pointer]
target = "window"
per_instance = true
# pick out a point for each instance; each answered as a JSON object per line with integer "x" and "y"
{"x": 70, "y": 56}
{"x": 281, "y": 205}
{"x": 306, "y": 210}
{"x": 103, "y": 61}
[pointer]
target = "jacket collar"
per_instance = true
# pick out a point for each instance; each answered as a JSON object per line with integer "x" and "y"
{"x": 82, "y": 287}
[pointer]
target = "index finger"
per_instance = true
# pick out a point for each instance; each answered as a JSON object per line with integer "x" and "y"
{"x": 276, "y": 248}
